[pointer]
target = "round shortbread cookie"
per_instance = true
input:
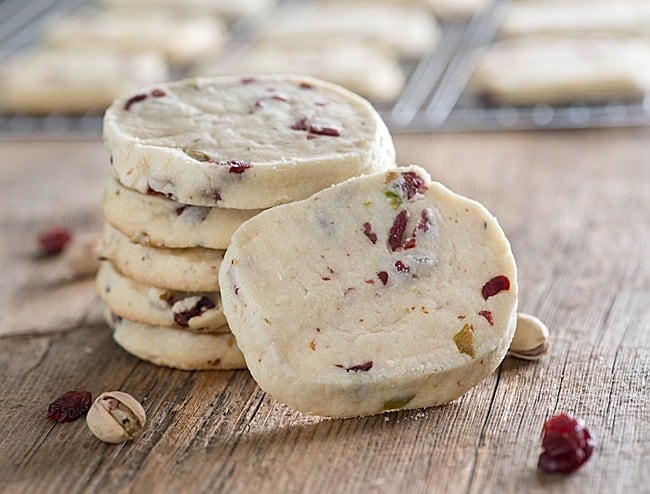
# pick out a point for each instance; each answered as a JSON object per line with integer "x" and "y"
{"x": 152, "y": 219}
{"x": 200, "y": 312}
{"x": 244, "y": 143}
{"x": 175, "y": 348}
{"x": 387, "y": 291}
{"x": 188, "y": 270}
{"x": 564, "y": 70}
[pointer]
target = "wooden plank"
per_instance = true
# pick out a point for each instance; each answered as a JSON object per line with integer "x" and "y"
{"x": 576, "y": 208}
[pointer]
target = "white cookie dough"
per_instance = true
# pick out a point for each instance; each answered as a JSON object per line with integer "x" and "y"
{"x": 244, "y": 142}
{"x": 410, "y": 31}
{"x": 387, "y": 291}
{"x": 182, "y": 38}
{"x": 152, "y": 219}
{"x": 190, "y": 270}
{"x": 200, "y": 312}
{"x": 175, "y": 348}
{"x": 42, "y": 82}
{"x": 563, "y": 70}
{"x": 365, "y": 69}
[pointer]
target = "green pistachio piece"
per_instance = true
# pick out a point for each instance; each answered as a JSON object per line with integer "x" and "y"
{"x": 464, "y": 340}
{"x": 397, "y": 403}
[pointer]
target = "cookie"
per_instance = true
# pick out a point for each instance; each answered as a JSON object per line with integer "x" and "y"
{"x": 443, "y": 9}
{"x": 613, "y": 17}
{"x": 42, "y": 82}
{"x": 190, "y": 270}
{"x": 368, "y": 70}
{"x": 244, "y": 142}
{"x": 384, "y": 292}
{"x": 182, "y": 38}
{"x": 200, "y": 312}
{"x": 410, "y": 31}
{"x": 152, "y": 219}
{"x": 170, "y": 347}
{"x": 231, "y": 9}
{"x": 563, "y": 70}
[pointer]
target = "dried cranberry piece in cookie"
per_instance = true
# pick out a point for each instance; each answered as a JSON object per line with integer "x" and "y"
{"x": 202, "y": 305}
{"x": 495, "y": 285}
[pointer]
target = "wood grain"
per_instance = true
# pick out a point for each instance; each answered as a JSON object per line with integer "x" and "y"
{"x": 576, "y": 207}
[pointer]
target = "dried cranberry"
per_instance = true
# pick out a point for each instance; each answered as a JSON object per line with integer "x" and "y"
{"x": 247, "y": 80}
{"x": 365, "y": 367}
{"x": 495, "y": 285}
{"x": 305, "y": 85}
{"x": 367, "y": 230}
{"x": 216, "y": 195}
{"x": 488, "y": 316}
{"x": 300, "y": 124}
{"x": 53, "y": 240}
{"x": 413, "y": 184}
{"x": 425, "y": 221}
{"x": 279, "y": 97}
{"x": 383, "y": 276}
{"x": 133, "y": 100}
{"x": 70, "y": 406}
{"x": 324, "y": 131}
{"x": 158, "y": 93}
{"x": 152, "y": 192}
{"x": 401, "y": 267}
{"x": 566, "y": 443}
{"x": 203, "y": 304}
{"x": 180, "y": 210}
{"x": 235, "y": 166}
{"x": 423, "y": 225}
{"x": 396, "y": 233}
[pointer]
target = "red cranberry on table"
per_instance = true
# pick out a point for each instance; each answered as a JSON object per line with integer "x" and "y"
{"x": 53, "y": 240}
{"x": 567, "y": 444}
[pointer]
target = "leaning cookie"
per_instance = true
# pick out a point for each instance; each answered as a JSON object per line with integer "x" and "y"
{"x": 188, "y": 270}
{"x": 384, "y": 292}
{"x": 200, "y": 312}
{"x": 175, "y": 348}
{"x": 244, "y": 143}
{"x": 152, "y": 219}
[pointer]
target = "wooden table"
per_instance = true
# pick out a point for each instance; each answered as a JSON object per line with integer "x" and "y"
{"x": 576, "y": 207}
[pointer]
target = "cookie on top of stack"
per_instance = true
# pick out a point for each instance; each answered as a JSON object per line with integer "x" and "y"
{"x": 194, "y": 159}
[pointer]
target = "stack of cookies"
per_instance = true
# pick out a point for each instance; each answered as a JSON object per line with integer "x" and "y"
{"x": 193, "y": 160}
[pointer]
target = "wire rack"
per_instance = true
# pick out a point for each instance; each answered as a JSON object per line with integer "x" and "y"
{"x": 435, "y": 97}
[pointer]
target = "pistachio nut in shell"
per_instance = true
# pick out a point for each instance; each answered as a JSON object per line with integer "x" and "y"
{"x": 531, "y": 338}
{"x": 116, "y": 417}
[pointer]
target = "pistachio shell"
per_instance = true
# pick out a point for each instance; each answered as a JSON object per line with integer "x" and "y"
{"x": 115, "y": 417}
{"x": 531, "y": 338}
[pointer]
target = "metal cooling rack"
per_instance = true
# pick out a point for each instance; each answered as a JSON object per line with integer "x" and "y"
{"x": 434, "y": 98}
